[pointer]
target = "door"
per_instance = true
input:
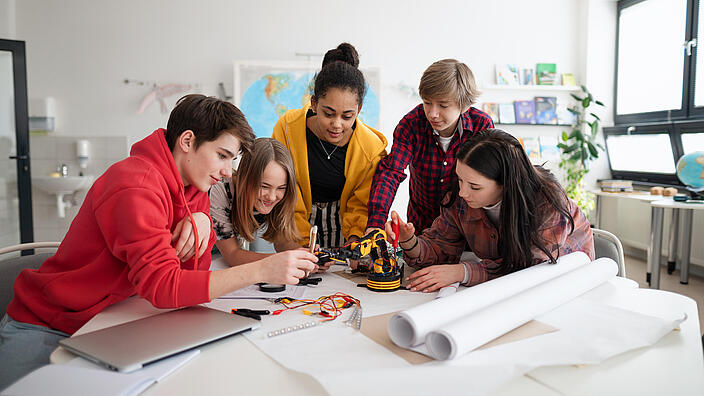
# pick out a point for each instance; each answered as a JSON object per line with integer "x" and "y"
{"x": 15, "y": 180}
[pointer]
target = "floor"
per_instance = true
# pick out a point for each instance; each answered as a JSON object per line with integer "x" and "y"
{"x": 636, "y": 268}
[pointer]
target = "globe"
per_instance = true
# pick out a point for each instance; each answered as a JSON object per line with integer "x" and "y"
{"x": 690, "y": 170}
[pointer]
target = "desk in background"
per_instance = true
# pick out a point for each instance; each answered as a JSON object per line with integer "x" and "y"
{"x": 678, "y": 249}
{"x": 655, "y": 248}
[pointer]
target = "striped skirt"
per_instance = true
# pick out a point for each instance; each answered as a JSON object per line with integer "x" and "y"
{"x": 326, "y": 215}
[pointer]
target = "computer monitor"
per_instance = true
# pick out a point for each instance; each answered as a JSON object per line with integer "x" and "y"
{"x": 642, "y": 154}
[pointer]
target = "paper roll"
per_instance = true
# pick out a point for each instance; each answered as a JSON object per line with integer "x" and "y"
{"x": 475, "y": 330}
{"x": 409, "y": 328}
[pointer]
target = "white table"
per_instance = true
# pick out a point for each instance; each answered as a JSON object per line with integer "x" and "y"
{"x": 657, "y": 215}
{"x": 234, "y": 365}
{"x": 655, "y": 247}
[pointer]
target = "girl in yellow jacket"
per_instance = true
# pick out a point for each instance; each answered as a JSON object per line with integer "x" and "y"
{"x": 334, "y": 153}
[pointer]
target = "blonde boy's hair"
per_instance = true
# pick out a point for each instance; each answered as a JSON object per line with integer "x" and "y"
{"x": 449, "y": 78}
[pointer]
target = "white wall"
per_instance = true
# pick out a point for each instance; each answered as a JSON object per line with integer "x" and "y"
{"x": 80, "y": 51}
{"x": 7, "y": 19}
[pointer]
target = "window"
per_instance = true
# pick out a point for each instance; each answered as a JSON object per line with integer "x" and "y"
{"x": 655, "y": 61}
{"x": 659, "y": 101}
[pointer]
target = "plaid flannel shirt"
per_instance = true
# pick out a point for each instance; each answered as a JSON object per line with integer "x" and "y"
{"x": 460, "y": 226}
{"x": 432, "y": 170}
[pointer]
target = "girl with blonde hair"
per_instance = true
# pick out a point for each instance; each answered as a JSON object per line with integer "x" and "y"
{"x": 257, "y": 202}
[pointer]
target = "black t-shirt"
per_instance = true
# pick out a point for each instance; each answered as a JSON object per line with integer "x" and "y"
{"x": 327, "y": 176}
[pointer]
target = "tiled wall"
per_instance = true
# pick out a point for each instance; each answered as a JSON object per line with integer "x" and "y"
{"x": 47, "y": 153}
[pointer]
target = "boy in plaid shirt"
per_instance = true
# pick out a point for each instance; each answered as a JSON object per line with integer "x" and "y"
{"x": 426, "y": 141}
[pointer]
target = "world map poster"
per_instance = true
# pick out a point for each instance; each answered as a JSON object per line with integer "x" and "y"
{"x": 264, "y": 91}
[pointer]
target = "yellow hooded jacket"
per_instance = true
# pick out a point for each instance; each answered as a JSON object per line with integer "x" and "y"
{"x": 366, "y": 147}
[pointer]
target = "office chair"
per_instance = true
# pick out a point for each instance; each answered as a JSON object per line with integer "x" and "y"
{"x": 608, "y": 245}
{"x": 11, "y": 267}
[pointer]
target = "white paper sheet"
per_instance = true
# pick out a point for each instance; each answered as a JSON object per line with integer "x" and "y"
{"x": 346, "y": 362}
{"x": 409, "y": 328}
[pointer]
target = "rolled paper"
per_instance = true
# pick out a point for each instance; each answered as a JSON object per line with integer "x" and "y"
{"x": 472, "y": 331}
{"x": 409, "y": 328}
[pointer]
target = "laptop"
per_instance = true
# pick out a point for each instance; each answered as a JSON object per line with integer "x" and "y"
{"x": 130, "y": 346}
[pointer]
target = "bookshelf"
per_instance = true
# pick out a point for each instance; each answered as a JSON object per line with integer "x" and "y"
{"x": 531, "y": 88}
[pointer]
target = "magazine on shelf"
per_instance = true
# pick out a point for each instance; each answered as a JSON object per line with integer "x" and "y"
{"x": 507, "y": 114}
{"x": 525, "y": 111}
{"x": 546, "y": 110}
{"x": 565, "y": 116}
{"x": 507, "y": 74}
{"x": 527, "y": 76}
{"x": 546, "y": 73}
{"x": 568, "y": 79}
{"x": 492, "y": 109}
{"x": 548, "y": 148}
{"x": 532, "y": 147}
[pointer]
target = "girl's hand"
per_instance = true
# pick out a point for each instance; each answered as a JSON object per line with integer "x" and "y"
{"x": 287, "y": 267}
{"x": 433, "y": 278}
{"x": 183, "y": 237}
{"x": 406, "y": 230}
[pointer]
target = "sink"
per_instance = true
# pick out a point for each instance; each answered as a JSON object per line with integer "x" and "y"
{"x": 61, "y": 186}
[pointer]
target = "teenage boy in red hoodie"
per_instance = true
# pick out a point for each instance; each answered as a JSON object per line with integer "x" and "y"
{"x": 120, "y": 242}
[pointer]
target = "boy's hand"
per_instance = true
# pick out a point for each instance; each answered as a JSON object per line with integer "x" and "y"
{"x": 406, "y": 230}
{"x": 183, "y": 238}
{"x": 287, "y": 267}
{"x": 432, "y": 278}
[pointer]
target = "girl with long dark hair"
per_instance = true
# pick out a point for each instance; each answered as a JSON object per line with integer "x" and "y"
{"x": 507, "y": 211}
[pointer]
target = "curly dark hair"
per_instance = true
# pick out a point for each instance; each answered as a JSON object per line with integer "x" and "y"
{"x": 340, "y": 71}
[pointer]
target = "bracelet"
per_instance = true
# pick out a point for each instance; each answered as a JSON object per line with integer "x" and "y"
{"x": 407, "y": 239}
{"x": 412, "y": 247}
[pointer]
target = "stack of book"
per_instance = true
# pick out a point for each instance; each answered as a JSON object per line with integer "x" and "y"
{"x": 616, "y": 185}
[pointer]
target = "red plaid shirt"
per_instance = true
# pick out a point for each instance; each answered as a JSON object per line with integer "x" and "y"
{"x": 432, "y": 170}
{"x": 460, "y": 226}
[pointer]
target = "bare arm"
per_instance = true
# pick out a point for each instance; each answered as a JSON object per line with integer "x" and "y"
{"x": 234, "y": 255}
{"x": 286, "y": 267}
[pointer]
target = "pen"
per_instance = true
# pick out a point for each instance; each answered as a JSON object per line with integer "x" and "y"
{"x": 313, "y": 237}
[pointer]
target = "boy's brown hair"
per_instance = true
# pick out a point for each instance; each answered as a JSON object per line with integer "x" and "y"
{"x": 208, "y": 117}
{"x": 449, "y": 78}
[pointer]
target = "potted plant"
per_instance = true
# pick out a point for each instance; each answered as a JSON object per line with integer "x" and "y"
{"x": 579, "y": 147}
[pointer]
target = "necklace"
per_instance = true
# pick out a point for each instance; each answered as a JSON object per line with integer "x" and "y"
{"x": 326, "y": 152}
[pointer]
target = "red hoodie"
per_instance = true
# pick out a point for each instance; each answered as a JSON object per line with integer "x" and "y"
{"x": 119, "y": 244}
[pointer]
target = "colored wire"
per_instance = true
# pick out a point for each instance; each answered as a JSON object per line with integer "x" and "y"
{"x": 330, "y": 307}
